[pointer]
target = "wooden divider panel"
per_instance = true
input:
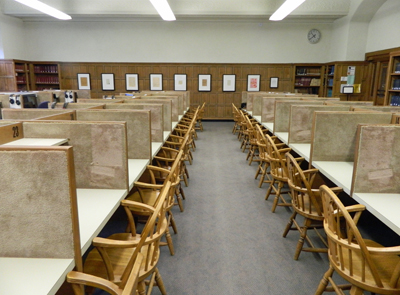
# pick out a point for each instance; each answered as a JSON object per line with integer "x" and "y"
{"x": 167, "y": 109}
{"x": 138, "y": 128}
{"x": 99, "y": 100}
{"x": 377, "y": 159}
{"x": 100, "y": 150}
{"x": 157, "y": 117}
{"x": 33, "y": 114}
{"x": 174, "y": 104}
{"x": 333, "y": 136}
{"x": 282, "y": 112}
{"x": 390, "y": 109}
{"x": 38, "y": 205}
{"x": 78, "y": 106}
{"x": 10, "y": 132}
{"x": 301, "y": 119}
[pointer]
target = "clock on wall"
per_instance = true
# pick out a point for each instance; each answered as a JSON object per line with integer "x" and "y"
{"x": 313, "y": 36}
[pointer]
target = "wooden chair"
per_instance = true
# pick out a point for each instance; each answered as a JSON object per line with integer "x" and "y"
{"x": 279, "y": 173}
{"x": 147, "y": 193}
{"x": 236, "y": 119}
{"x": 113, "y": 258}
{"x": 264, "y": 164}
{"x": 367, "y": 265}
{"x": 306, "y": 202}
{"x": 80, "y": 279}
{"x": 253, "y": 153}
{"x": 165, "y": 159}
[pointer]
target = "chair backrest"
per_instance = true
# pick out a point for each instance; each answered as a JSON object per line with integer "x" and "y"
{"x": 304, "y": 197}
{"x": 261, "y": 142}
{"x": 357, "y": 260}
{"x": 277, "y": 159}
{"x": 152, "y": 232}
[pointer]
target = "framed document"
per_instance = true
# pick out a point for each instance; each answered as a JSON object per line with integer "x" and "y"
{"x": 180, "y": 82}
{"x": 204, "y": 82}
{"x": 84, "y": 81}
{"x": 253, "y": 82}
{"x": 228, "y": 83}
{"x": 155, "y": 81}
{"x": 132, "y": 82}
{"x": 107, "y": 82}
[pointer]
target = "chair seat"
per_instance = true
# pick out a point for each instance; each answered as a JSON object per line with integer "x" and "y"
{"x": 94, "y": 264}
{"x": 147, "y": 196}
{"x": 279, "y": 174}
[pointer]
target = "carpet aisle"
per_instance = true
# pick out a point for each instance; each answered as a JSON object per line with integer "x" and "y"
{"x": 229, "y": 242}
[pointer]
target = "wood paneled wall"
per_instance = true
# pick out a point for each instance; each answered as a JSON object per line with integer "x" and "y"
{"x": 218, "y": 103}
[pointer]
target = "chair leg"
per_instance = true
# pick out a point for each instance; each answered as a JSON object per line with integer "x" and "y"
{"x": 169, "y": 242}
{"x": 269, "y": 191}
{"x": 289, "y": 224}
{"x": 277, "y": 196}
{"x": 303, "y": 237}
{"x": 324, "y": 281}
{"x": 160, "y": 282}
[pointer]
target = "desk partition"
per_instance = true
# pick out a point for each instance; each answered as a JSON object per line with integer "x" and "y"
{"x": 167, "y": 109}
{"x": 138, "y": 128}
{"x": 376, "y": 176}
{"x": 40, "y": 183}
{"x": 38, "y": 114}
{"x": 301, "y": 120}
{"x": 156, "y": 118}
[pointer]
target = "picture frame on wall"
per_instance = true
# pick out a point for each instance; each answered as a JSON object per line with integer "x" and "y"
{"x": 132, "y": 82}
{"x": 84, "y": 81}
{"x": 228, "y": 83}
{"x": 253, "y": 82}
{"x": 205, "y": 82}
{"x": 156, "y": 82}
{"x": 180, "y": 82}
{"x": 107, "y": 82}
{"x": 273, "y": 82}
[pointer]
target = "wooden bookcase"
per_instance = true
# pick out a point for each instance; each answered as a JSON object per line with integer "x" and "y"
{"x": 392, "y": 94}
{"x": 309, "y": 78}
{"x": 44, "y": 75}
{"x": 21, "y": 70}
{"x": 333, "y": 80}
{"x": 14, "y": 75}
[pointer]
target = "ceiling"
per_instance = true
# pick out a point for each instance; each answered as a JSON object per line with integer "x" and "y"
{"x": 311, "y": 10}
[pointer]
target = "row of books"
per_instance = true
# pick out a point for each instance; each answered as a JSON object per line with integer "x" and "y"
{"x": 307, "y": 82}
{"x": 46, "y": 69}
{"x": 330, "y": 82}
{"x": 21, "y": 79}
{"x": 395, "y": 100}
{"x": 47, "y": 80}
{"x": 396, "y": 84}
{"x": 308, "y": 71}
{"x": 397, "y": 68}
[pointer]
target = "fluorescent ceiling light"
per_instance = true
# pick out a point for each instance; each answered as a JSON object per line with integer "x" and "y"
{"x": 163, "y": 9}
{"x": 45, "y": 9}
{"x": 286, "y": 8}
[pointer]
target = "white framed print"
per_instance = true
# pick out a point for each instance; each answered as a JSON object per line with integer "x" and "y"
{"x": 107, "y": 82}
{"x": 228, "y": 83}
{"x": 84, "y": 81}
{"x": 155, "y": 81}
{"x": 273, "y": 82}
{"x": 253, "y": 82}
{"x": 132, "y": 82}
{"x": 204, "y": 82}
{"x": 180, "y": 82}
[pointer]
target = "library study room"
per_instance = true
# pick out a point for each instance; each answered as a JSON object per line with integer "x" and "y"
{"x": 213, "y": 147}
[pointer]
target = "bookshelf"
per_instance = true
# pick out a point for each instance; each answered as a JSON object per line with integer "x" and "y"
{"x": 309, "y": 79}
{"x": 335, "y": 71}
{"x": 392, "y": 94}
{"x": 21, "y": 70}
{"x": 45, "y": 76}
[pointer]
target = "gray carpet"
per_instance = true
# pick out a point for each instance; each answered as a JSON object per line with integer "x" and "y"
{"x": 229, "y": 242}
